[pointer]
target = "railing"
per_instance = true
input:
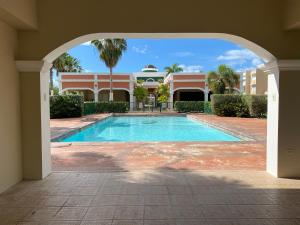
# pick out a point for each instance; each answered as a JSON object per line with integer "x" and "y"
{"x": 152, "y": 107}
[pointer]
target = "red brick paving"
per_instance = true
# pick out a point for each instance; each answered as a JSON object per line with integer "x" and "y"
{"x": 245, "y": 155}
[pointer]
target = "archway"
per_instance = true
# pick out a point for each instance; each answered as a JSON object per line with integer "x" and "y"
{"x": 189, "y": 94}
{"x": 120, "y": 95}
{"x": 265, "y": 55}
{"x": 88, "y": 94}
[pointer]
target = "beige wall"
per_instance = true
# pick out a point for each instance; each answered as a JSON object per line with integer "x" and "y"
{"x": 247, "y": 87}
{"x": 74, "y": 18}
{"x": 31, "y": 125}
{"x": 10, "y": 139}
{"x": 20, "y": 14}
{"x": 256, "y": 78}
{"x": 57, "y": 25}
{"x": 261, "y": 82}
{"x": 35, "y": 126}
{"x": 289, "y": 124}
{"x": 292, "y": 14}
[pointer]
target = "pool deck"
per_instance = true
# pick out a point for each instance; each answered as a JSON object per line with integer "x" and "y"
{"x": 122, "y": 156}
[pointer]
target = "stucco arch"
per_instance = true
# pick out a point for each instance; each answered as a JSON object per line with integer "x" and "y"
{"x": 77, "y": 89}
{"x": 189, "y": 88}
{"x": 106, "y": 89}
{"x": 265, "y": 55}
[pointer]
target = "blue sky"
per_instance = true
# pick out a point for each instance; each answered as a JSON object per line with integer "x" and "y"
{"x": 193, "y": 55}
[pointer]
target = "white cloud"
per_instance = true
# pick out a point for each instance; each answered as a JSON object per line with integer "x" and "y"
{"x": 142, "y": 50}
{"x": 240, "y": 58}
{"x": 183, "y": 54}
{"x": 238, "y": 54}
{"x": 191, "y": 68}
{"x": 257, "y": 62}
{"x": 86, "y": 43}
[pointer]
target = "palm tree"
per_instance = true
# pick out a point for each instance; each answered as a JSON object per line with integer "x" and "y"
{"x": 64, "y": 63}
{"x": 175, "y": 68}
{"x": 222, "y": 79}
{"x": 110, "y": 52}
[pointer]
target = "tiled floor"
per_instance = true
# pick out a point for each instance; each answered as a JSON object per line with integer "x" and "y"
{"x": 156, "y": 197}
{"x": 245, "y": 155}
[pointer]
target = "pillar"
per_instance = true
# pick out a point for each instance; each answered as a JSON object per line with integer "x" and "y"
{"x": 283, "y": 129}
{"x": 131, "y": 101}
{"x": 131, "y": 93}
{"x": 60, "y": 84}
{"x": 241, "y": 83}
{"x": 35, "y": 118}
{"x": 171, "y": 100}
{"x": 96, "y": 96}
{"x": 206, "y": 92}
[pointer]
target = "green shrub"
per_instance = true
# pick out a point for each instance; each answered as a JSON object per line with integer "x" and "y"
{"x": 192, "y": 106}
{"x": 66, "y": 106}
{"x": 105, "y": 107}
{"x": 229, "y": 105}
{"x": 240, "y": 105}
{"x": 89, "y": 108}
{"x": 207, "y": 108}
{"x": 258, "y": 105}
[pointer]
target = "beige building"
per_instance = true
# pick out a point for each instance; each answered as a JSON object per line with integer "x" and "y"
{"x": 35, "y": 32}
{"x": 255, "y": 82}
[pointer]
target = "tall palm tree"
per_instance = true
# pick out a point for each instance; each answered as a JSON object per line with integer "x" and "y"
{"x": 175, "y": 68}
{"x": 222, "y": 79}
{"x": 110, "y": 52}
{"x": 64, "y": 63}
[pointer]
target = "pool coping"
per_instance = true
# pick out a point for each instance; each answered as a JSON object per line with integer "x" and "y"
{"x": 77, "y": 129}
{"x": 242, "y": 137}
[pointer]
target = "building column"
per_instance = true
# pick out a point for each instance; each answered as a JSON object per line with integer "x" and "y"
{"x": 96, "y": 88}
{"x": 241, "y": 83}
{"x": 96, "y": 96}
{"x": 59, "y": 84}
{"x": 283, "y": 131}
{"x": 35, "y": 131}
{"x": 131, "y": 101}
{"x": 131, "y": 96}
{"x": 206, "y": 92}
{"x": 171, "y": 100}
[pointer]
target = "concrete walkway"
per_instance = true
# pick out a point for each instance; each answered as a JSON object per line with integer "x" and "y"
{"x": 244, "y": 155}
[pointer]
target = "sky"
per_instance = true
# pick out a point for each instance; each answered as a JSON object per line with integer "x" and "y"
{"x": 193, "y": 55}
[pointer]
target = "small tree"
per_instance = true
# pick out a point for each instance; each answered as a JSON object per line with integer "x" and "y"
{"x": 163, "y": 92}
{"x": 140, "y": 94}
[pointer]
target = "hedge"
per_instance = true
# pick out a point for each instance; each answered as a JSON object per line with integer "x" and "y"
{"x": 105, "y": 107}
{"x": 192, "y": 106}
{"x": 258, "y": 105}
{"x": 66, "y": 106}
{"x": 239, "y": 105}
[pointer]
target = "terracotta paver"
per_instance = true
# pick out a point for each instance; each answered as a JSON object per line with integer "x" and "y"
{"x": 116, "y": 156}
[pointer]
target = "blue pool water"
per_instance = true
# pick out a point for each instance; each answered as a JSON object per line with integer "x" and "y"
{"x": 149, "y": 128}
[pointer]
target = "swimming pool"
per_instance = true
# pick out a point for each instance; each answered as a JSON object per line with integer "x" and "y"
{"x": 148, "y": 128}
